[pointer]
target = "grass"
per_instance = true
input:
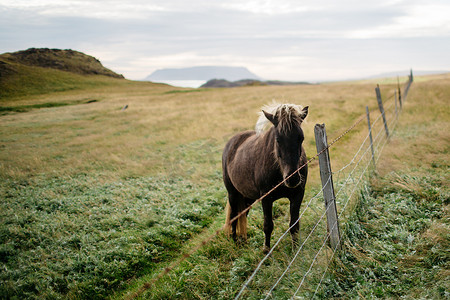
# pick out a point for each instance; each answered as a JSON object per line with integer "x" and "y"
{"x": 23, "y": 81}
{"x": 97, "y": 201}
{"x": 396, "y": 242}
{"x": 25, "y": 108}
{"x": 85, "y": 237}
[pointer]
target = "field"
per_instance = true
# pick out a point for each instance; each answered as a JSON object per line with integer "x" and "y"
{"x": 97, "y": 200}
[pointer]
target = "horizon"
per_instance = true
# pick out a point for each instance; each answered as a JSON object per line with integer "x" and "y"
{"x": 283, "y": 40}
{"x": 196, "y": 83}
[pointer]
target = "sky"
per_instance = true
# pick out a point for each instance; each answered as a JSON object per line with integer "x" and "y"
{"x": 295, "y": 40}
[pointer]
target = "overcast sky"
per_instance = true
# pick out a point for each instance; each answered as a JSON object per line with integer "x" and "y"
{"x": 284, "y": 39}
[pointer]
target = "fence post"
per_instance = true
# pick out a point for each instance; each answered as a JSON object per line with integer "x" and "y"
{"x": 327, "y": 184}
{"x": 395, "y": 99}
{"x": 380, "y": 106}
{"x": 399, "y": 93}
{"x": 410, "y": 80}
{"x": 370, "y": 136}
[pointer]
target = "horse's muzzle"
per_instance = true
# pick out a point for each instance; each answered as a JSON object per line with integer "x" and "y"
{"x": 294, "y": 181}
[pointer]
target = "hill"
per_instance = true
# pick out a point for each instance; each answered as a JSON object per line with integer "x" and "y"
{"x": 203, "y": 73}
{"x": 65, "y": 60}
{"x": 38, "y": 71}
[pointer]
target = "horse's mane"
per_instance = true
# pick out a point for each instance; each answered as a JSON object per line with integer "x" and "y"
{"x": 287, "y": 114}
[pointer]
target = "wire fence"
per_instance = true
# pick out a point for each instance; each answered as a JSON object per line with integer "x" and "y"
{"x": 303, "y": 275}
{"x": 357, "y": 168}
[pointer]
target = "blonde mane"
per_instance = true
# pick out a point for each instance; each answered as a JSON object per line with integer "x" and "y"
{"x": 286, "y": 112}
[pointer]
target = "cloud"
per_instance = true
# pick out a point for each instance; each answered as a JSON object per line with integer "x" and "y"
{"x": 107, "y": 9}
{"x": 417, "y": 21}
{"x": 282, "y": 39}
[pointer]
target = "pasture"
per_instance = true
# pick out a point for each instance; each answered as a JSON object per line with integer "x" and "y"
{"x": 97, "y": 200}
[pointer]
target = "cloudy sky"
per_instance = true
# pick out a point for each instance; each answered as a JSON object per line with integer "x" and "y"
{"x": 308, "y": 40}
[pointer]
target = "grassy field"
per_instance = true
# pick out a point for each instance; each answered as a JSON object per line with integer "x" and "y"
{"x": 96, "y": 200}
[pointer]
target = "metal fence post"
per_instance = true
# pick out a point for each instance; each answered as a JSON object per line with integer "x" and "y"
{"x": 380, "y": 106}
{"x": 327, "y": 184}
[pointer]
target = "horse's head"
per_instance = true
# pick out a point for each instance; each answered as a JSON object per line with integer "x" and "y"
{"x": 287, "y": 120}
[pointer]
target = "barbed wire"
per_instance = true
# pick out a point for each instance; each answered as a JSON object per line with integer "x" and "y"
{"x": 353, "y": 159}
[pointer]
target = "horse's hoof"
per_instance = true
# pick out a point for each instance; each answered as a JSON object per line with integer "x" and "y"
{"x": 266, "y": 249}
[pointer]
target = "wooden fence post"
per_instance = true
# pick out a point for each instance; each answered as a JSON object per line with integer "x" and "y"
{"x": 410, "y": 80}
{"x": 380, "y": 106}
{"x": 370, "y": 136}
{"x": 327, "y": 184}
{"x": 396, "y": 108}
{"x": 399, "y": 93}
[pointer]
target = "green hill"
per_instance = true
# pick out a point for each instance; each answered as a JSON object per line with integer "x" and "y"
{"x": 38, "y": 71}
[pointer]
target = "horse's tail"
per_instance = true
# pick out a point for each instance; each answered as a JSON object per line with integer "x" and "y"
{"x": 241, "y": 228}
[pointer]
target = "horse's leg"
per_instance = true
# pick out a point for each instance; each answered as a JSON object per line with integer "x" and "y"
{"x": 295, "y": 203}
{"x": 294, "y": 211}
{"x": 233, "y": 200}
{"x": 268, "y": 223}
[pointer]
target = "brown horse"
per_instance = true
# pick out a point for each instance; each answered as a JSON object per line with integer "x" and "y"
{"x": 254, "y": 162}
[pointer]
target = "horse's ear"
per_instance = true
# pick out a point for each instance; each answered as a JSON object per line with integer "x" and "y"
{"x": 304, "y": 112}
{"x": 271, "y": 118}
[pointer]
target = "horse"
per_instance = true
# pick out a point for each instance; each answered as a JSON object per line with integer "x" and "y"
{"x": 255, "y": 161}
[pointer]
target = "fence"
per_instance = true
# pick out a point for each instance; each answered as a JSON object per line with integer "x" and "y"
{"x": 368, "y": 153}
{"x": 348, "y": 180}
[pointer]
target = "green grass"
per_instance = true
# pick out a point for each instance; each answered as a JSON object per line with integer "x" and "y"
{"x": 32, "y": 80}
{"x": 76, "y": 237}
{"x": 397, "y": 242}
{"x": 25, "y": 108}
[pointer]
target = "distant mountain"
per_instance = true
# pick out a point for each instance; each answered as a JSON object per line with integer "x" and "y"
{"x": 222, "y": 83}
{"x": 203, "y": 73}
